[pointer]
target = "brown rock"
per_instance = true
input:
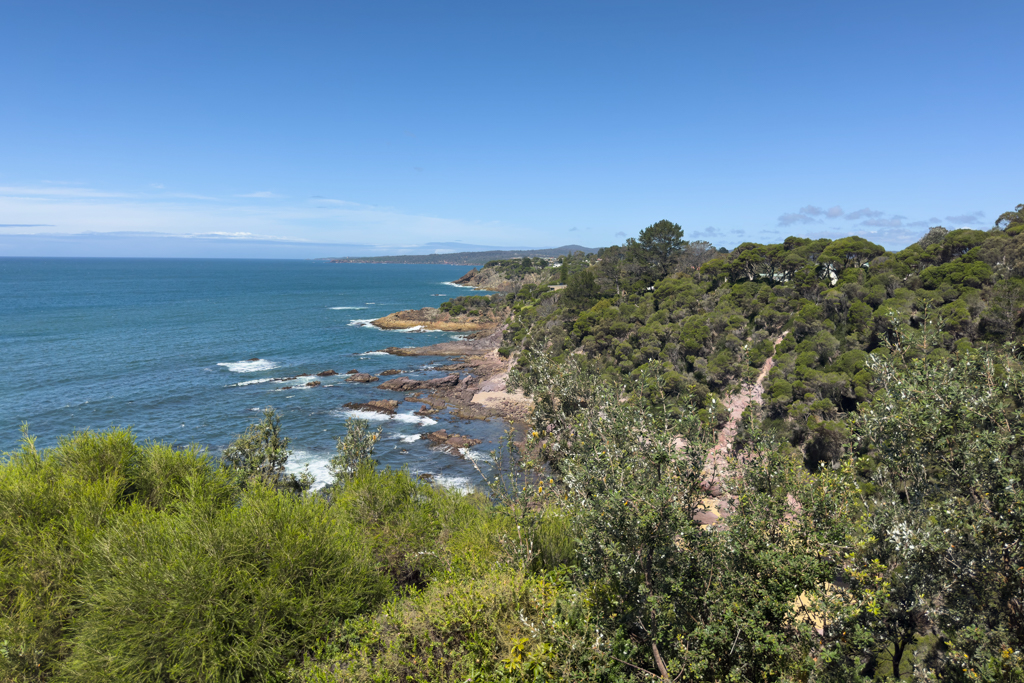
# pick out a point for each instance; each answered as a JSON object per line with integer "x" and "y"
{"x": 401, "y": 384}
{"x": 326, "y": 373}
{"x": 254, "y": 359}
{"x": 406, "y": 384}
{"x": 312, "y": 384}
{"x": 362, "y": 377}
{"x": 351, "y": 372}
{"x": 390, "y": 372}
{"x": 384, "y": 407}
{"x": 442, "y": 382}
{"x": 442, "y": 438}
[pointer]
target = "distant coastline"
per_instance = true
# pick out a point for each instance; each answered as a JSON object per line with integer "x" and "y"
{"x": 465, "y": 258}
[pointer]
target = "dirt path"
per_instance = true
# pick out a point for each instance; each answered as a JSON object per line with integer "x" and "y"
{"x": 717, "y": 466}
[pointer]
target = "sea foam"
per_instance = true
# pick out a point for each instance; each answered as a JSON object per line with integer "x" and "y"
{"x": 374, "y": 416}
{"x": 258, "y": 365}
{"x": 475, "y": 456}
{"x": 252, "y": 381}
{"x": 460, "y": 484}
{"x": 317, "y": 462}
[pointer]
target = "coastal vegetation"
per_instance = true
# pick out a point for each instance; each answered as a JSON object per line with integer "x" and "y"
{"x": 788, "y": 462}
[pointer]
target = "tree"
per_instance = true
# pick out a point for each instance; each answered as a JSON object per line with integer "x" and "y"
{"x": 657, "y": 248}
{"x": 846, "y": 253}
{"x": 947, "y": 439}
{"x": 632, "y": 496}
{"x": 262, "y": 453}
{"x": 581, "y": 292}
{"x": 1011, "y": 220}
{"x": 354, "y": 450}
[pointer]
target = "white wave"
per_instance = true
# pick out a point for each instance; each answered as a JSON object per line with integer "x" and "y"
{"x": 347, "y": 308}
{"x": 373, "y": 353}
{"x": 413, "y": 419}
{"x": 460, "y": 484}
{"x": 414, "y": 328}
{"x": 253, "y": 381}
{"x": 257, "y": 365}
{"x": 373, "y": 415}
{"x": 368, "y": 322}
{"x": 474, "y": 455}
{"x": 409, "y": 438}
{"x": 317, "y": 462}
{"x": 369, "y": 415}
{"x": 459, "y": 286}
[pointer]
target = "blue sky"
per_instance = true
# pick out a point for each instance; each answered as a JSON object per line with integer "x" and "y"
{"x": 305, "y": 129}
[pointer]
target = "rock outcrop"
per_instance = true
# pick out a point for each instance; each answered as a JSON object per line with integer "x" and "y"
{"x": 385, "y": 407}
{"x": 408, "y": 384}
{"x": 464, "y": 347}
{"x": 435, "y": 319}
{"x": 442, "y": 438}
{"x": 361, "y": 377}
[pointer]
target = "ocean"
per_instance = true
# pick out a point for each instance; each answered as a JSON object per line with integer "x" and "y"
{"x": 164, "y": 346}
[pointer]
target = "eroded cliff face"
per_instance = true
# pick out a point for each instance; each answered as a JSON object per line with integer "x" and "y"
{"x": 491, "y": 280}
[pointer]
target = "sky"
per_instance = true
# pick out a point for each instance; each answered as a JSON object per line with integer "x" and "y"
{"x": 316, "y": 129}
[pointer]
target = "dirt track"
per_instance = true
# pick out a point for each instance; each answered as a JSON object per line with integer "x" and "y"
{"x": 717, "y": 464}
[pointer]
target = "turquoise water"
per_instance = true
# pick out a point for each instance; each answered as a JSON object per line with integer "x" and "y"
{"x": 162, "y": 345}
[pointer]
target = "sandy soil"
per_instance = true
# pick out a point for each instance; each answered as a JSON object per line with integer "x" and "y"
{"x": 717, "y": 466}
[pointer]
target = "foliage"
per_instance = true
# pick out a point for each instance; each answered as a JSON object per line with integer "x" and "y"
{"x": 949, "y": 510}
{"x": 121, "y": 561}
{"x": 657, "y": 249}
{"x": 231, "y": 595}
{"x": 741, "y": 602}
{"x": 261, "y": 453}
{"x": 354, "y": 450}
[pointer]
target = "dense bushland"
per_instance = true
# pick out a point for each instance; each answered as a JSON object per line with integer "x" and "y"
{"x": 128, "y": 561}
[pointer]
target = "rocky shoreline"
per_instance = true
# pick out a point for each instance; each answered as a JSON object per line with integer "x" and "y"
{"x": 478, "y": 393}
{"x": 435, "y": 319}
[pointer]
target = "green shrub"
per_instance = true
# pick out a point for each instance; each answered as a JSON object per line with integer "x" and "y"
{"x": 502, "y": 627}
{"x": 53, "y": 505}
{"x": 229, "y": 596}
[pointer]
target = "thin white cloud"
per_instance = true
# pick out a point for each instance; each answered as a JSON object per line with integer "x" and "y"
{"x": 260, "y": 195}
{"x": 894, "y": 222}
{"x": 58, "y": 191}
{"x": 242, "y": 236}
{"x": 78, "y": 209}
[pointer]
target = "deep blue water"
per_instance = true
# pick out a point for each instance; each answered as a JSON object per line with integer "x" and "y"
{"x": 162, "y": 345}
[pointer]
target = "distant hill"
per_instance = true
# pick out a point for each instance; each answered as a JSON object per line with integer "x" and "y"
{"x": 466, "y": 258}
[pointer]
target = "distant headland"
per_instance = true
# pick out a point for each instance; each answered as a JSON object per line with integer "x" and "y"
{"x": 466, "y": 258}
